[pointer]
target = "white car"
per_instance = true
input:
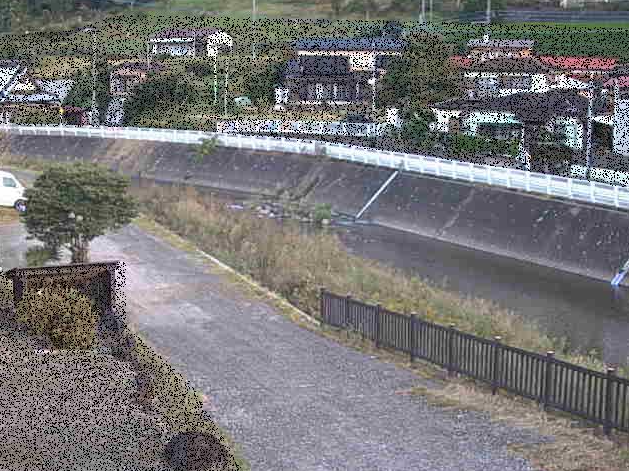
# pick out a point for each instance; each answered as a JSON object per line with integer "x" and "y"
{"x": 11, "y": 192}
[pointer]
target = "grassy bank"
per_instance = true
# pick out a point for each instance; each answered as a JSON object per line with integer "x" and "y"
{"x": 296, "y": 265}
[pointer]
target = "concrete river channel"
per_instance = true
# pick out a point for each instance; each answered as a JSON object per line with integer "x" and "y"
{"x": 588, "y": 312}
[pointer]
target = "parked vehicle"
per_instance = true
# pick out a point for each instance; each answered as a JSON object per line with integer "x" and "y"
{"x": 12, "y": 192}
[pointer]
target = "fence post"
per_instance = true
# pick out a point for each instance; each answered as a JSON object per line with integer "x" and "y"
{"x": 451, "y": 350}
{"x": 495, "y": 380}
{"x": 322, "y": 305}
{"x": 377, "y": 325}
{"x": 413, "y": 335}
{"x": 348, "y": 300}
{"x": 548, "y": 381}
{"x": 607, "y": 423}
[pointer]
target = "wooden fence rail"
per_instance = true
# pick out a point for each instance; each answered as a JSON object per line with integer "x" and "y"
{"x": 554, "y": 384}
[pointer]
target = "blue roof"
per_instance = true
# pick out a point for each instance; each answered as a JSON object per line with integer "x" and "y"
{"x": 350, "y": 44}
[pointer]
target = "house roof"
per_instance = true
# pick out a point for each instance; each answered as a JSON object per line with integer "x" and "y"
{"x": 528, "y": 106}
{"x": 58, "y": 88}
{"x": 322, "y": 66}
{"x": 501, "y": 43}
{"x": 349, "y": 44}
{"x": 623, "y": 82}
{"x": 579, "y": 63}
{"x": 461, "y": 61}
{"x": 508, "y": 64}
{"x": 176, "y": 33}
{"x": 9, "y": 71}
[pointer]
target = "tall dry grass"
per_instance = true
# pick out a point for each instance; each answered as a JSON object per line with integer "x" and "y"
{"x": 296, "y": 265}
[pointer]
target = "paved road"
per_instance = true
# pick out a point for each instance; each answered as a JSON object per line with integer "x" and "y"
{"x": 294, "y": 400}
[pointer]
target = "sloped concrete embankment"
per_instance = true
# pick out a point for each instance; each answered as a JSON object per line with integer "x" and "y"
{"x": 581, "y": 239}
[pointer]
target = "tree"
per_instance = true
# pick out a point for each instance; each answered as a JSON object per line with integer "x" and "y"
{"x": 161, "y": 91}
{"x": 422, "y": 75}
{"x": 73, "y": 204}
{"x": 261, "y": 88}
{"x": 548, "y": 153}
{"x": 81, "y": 92}
{"x": 416, "y": 130}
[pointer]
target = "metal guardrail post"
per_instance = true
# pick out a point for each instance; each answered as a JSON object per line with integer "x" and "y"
{"x": 322, "y": 305}
{"x": 548, "y": 380}
{"x": 413, "y": 335}
{"x": 495, "y": 377}
{"x": 348, "y": 300}
{"x": 451, "y": 350}
{"x": 377, "y": 325}
{"x": 607, "y": 422}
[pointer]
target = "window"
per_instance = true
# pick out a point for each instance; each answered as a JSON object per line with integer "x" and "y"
{"x": 9, "y": 182}
{"x": 340, "y": 92}
{"x": 319, "y": 91}
{"x": 517, "y": 82}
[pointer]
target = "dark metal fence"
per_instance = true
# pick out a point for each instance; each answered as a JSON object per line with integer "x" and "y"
{"x": 555, "y": 384}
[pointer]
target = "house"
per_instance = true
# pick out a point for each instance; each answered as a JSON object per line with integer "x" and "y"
{"x": 199, "y": 42}
{"x": 486, "y": 48}
{"x": 560, "y": 111}
{"x": 125, "y": 77}
{"x": 505, "y": 76}
{"x": 337, "y": 71}
{"x": 579, "y": 66}
{"x": 19, "y": 91}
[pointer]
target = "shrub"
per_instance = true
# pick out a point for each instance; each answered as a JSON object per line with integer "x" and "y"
{"x": 321, "y": 212}
{"x": 64, "y": 315}
{"x": 38, "y": 256}
{"x": 6, "y": 293}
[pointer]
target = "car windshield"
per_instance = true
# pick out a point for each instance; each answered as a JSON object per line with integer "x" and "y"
{"x": 9, "y": 182}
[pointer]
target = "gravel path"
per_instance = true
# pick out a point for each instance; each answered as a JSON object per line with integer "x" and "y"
{"x": 294, "y": 400}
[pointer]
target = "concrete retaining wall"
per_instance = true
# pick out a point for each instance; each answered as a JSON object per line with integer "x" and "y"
{"x": 581, "y": 239}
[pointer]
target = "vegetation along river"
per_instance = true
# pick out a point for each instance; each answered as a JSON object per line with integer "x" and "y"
{"x": 588, "y": 312}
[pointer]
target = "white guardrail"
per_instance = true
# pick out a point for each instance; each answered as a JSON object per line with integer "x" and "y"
{"x": 551, "y": 185}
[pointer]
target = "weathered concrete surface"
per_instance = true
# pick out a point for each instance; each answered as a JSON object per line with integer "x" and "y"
{"x": 295, "y": 401}
{"x": 581, "y": 239}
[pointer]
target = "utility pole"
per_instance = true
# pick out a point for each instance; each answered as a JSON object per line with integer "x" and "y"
{"x": 254, "y": 14}
{"x": 373, "y": 76}
{"x": 430, "y": 17}
{"x": 148, "y": 55}
{"x": 94, "y": 119}
{"x": 588, "y": 148}
{"x": 422, "y": 12}
{"x": 226, "y": 78}
{"x": 216, "y": 77}
{"x": 488, "y": 11}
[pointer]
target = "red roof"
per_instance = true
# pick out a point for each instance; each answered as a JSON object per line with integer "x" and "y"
{"x": 579, "y": 63}
{"x": 623, "y": 81}
{"x": 461, "y": 61}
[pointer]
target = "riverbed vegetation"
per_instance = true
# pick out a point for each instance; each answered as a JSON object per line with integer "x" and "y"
{"x": 295, "y": 265}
